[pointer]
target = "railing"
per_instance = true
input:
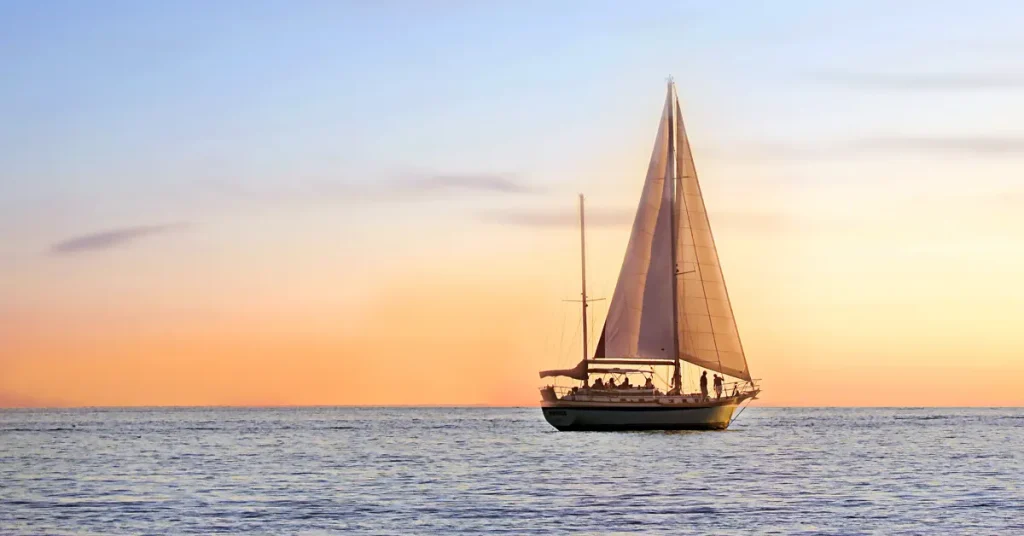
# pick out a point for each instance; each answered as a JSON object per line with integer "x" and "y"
{"x": 728, "y": 390}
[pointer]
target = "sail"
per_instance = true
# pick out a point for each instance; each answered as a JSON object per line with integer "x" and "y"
{"x": 707, "y": 328}
{"x": 640, "y": 317}
{"x": 639, "y": 321}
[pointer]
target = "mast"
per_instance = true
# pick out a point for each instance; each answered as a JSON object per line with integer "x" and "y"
{"x": 677, "y": 376}
{"x": 583, "y": 267}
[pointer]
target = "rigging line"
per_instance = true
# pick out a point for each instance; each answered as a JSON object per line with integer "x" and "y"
{"x": 550, "y": 331}
{"x": 575, "y": 331}
{"x": 744, "y": 408}
{"x": 664, "y": 379}
{"x": 561, "y": 338}
{"x": 563, "y": 352}
{"x": 590, "y": 325}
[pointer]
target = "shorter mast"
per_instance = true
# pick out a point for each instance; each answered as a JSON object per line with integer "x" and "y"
{"x": 583, "y": 266}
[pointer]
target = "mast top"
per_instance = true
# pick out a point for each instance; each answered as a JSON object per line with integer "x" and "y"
{"x": 673, "y": 97}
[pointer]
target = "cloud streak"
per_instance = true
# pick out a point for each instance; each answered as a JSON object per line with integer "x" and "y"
{"x": 979, "y": 145}
{"x": 467, "y": 183}
{"x": 771, "y": 222}
{"x": 111, "y": 238}
{"x": 557, "y": 218}
{"x": 421, "y": 187}
{"x": 923, "y": 81}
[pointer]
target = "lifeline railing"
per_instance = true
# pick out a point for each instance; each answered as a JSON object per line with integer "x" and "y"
{"x": 729, "y": 389}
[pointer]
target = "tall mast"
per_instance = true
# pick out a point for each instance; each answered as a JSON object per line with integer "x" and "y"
{"x": 677, "y": 377}
{"x": 583, "y": 267}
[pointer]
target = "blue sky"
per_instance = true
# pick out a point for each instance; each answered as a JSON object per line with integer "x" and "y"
{"x": 126, "y": 114}
{"x": 110, "y": 100}
{"x": 256, "y": 126}
{"x": 263, "y": 167}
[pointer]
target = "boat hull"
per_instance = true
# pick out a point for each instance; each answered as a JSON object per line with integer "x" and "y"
{"x": 571, "y": 418}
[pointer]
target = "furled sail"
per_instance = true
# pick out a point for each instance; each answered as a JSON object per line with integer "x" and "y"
{"x": 579, "y": 372}
{"x": 640, "y": 320}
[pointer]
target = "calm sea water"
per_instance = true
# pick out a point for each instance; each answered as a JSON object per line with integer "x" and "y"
{"x": 482, "y": 471}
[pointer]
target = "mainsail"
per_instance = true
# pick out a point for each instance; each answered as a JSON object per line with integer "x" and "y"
{"x": 640, "y": 319}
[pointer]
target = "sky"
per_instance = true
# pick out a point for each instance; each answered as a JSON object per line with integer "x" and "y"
{"x": 297, "y": 203}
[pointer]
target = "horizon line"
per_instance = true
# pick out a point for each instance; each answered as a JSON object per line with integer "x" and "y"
{"x": 464, "y": 406}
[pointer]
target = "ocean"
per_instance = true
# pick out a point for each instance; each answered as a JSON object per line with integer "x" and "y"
{"x": 336, "y": 470}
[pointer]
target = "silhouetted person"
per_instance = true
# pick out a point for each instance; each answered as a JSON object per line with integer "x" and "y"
{"x": 649, "y": 384}
{"x": 719, "y": 383}
{"x": 704, "y": 385}
{"x": 611, "y": 383}
{"x": 598, "y": 384}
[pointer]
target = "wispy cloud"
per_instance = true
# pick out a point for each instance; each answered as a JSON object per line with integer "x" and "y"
{"x": 980, "y": 145}
{"x": 771, "y": 150}
{"x": 748, "y": 221}
{"x": 763, "y": 221}
{"x": 504, "y": 184}
{"x": 111, "y": 238}
{"x": 922, "y": 81}
{"x": 404, "y": 188}
{"x": 557, "y": 218}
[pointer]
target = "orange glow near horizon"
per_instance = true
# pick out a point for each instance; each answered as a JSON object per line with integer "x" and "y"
{"x": 345, "y": 205}
{"x": 843, "y": 297}
{"x": 450, "y": 340}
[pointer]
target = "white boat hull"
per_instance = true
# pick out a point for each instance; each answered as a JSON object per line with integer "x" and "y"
{"x": 568, "y": 416}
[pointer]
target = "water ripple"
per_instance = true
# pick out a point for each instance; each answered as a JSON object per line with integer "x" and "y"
{"x": 505, "y": 471}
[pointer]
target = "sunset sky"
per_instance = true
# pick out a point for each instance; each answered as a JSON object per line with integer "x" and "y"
{"x": 207, "y": 203}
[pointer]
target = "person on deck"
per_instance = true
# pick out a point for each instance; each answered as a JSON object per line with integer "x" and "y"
{"x": 704, "y": 385}
{"x": 598, "y": 384}
{"x": 719, "y": 383}
{"x": 611, "y": 383}
{"x": 625, "y": 383}
{"x": 649, "y": 384}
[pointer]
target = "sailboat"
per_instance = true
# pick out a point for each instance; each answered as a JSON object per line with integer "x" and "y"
{"x": 670, "y": 310}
